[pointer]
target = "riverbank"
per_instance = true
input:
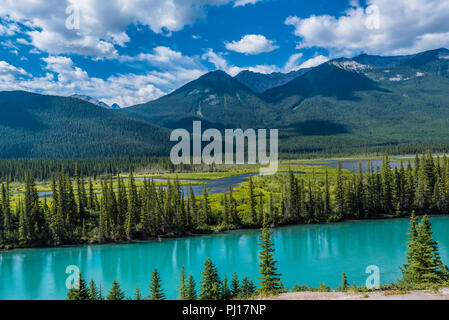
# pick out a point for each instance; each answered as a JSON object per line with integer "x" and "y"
{"x": 442, "y": 294}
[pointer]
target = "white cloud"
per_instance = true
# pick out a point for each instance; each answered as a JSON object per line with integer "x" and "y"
{"x": 383, "y": 27}
{"x": 239, "y": 3}
{"x": 293, "y": 62}
{"x": 217, "y": 60}
{"x": 63, "y": 77}
{"x": 7, "y": 69}
{"x": 313, "y": 62}
{"x": 103, "y": 24}
{"x": 8, "y": 28}
{"x": 251, "y": 44}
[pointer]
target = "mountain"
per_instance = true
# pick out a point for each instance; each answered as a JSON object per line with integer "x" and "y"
{"x": 216, "y": 98}
{"x": 260, "y": 82}
{"x": 364, "y": 103}
{"x": 332, "y": 79}
{"x": 33, "y": 125}
{"x": 96, "y": 102}
{"x": 413, "y": 60}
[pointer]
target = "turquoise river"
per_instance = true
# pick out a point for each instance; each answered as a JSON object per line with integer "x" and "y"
{"x": 307, "y": 254}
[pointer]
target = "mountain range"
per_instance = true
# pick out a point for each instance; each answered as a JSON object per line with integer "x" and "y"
{"x": 364, "y": 103}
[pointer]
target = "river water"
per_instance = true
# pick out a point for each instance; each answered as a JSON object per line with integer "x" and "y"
{"x": 307, "y": 254}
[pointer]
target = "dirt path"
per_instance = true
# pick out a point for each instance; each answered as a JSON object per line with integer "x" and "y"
{"x": 412, "y": 295}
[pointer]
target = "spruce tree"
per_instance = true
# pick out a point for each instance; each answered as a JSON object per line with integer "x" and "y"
{"x": 339, "y": 192}
{"x": 115, "y": 293}
{"x": 235, "y": 286}
{"x": 133, "y": 207}
{"x": 156, "y": 292}
{"x": 210, "y": 282}
{"x": 225, "y": 291}
{"x": 252, "y": 202}
{"x": 182, "y": 291}
{"x": 93, "y": 292}
{"x": 137, "y": 294}
{"x": 190, "y": 289}
{"x": 424, "y": 264}
{"x": 269, "y": 278}
{"x": 83, "y": 291}
{"x": 245, "y": 288}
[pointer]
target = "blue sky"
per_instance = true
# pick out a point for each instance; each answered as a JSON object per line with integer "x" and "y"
{"x": 133, "y": 51}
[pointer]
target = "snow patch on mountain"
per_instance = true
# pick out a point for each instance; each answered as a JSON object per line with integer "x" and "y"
{"x": 95, "y": 101}
{"x": 350, "y": 65}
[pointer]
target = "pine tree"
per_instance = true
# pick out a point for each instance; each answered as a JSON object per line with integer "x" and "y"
{"x": 344, "y": 283}
{"x": 387, "y": 182}
{"x": 93, "y": 292}
{"x": 182, "y": 291}
{"x": 431, "y": 267}
{"x": 339, "y": 192}
{"x": 424, "y": 264}
{"x": 80, "y": 291}
{"x": 83, "y": 291}
{"x": 116, "y": 292}
{"x": 190, "y": 289}
{"x": 252, "y": 202}
{"x": 210, "y": 282}
{"x": 133, "y": 207}
{"x": 137, "y": 294}
{"x": 206, "y": 215}
{"x": 156, "y": 292}
{"x": 225, "y": 291}
{"x": 235, "y": 286}
{"x": 269, "y": 279}
{"x": 246, "y": 288}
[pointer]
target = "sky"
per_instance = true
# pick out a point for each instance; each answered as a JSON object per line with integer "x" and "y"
{"x": 133, "y": 51}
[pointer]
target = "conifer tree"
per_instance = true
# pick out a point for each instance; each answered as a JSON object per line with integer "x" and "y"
{"x": 93, "y": 292}
{"x": 246, "y": 288}
{"x": 115, "y": 293}
{"x": 83, "y": 291}
{"x": 225, "y": 292}
{"x": 235, "y": 286}
{"x": 182, "y": 291}
{"x": 424, "y": 264}
{"x": 339, "y": 192}
{"x": 156, "y": 292}
{"x": 133, "y": 208}
{"x": 191, "y": 288}
{"x": 210, "y": 282}
{"x": 269, "y": 278}
{"x": 206, "y": 215}
{"x": 252, "y": 202}
{"x": 137, "y": 294}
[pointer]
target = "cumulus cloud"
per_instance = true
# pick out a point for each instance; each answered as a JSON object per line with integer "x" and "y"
{"x": 239, "y": 3}
{"x": 382, "y": 27}
{"x": 102, "y": 25}
{"x": 7, "y": 69}
{"x": 292, "y": 64}
{"x": 63, "y": 77}
{"x": 313, "y": 62}
{"x": 251, "y": 44}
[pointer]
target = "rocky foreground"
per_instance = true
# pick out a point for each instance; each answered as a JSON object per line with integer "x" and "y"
{"x": 443, "y": 294}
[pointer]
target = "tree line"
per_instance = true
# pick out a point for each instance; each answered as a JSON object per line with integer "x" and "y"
{"x": 121, "y": 211}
